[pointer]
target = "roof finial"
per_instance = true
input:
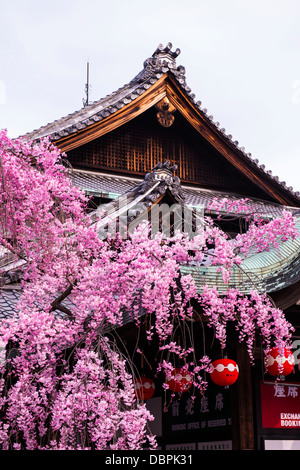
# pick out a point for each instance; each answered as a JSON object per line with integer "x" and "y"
{"x": 87, "y": 85}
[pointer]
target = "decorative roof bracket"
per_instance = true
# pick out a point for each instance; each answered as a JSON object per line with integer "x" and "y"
{"x": 162, "y": 172}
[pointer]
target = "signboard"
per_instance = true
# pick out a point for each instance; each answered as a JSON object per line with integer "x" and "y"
{"x": 215, "y": 445}
{"x": 280, "y": 405}
{"x": 198, "y": 414}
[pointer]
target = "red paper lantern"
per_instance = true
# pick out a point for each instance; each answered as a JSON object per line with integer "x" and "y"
{"x": 274, "y": 359}
{"x": 225, "y": 372}
{"x": 180, "y": 380}
{"x": 144, "y": 388}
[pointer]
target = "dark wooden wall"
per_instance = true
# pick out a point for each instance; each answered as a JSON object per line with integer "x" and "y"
{"x": 137, "y": 146}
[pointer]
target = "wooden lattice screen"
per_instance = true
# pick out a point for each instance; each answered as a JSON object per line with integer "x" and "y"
{"x": 136, "y": 147}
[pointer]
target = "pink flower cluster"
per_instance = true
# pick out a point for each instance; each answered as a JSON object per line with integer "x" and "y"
{"x": 68, "y": 386}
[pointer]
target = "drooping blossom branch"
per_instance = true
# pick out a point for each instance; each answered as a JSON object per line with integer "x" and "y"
{"x": 65, "y": 385}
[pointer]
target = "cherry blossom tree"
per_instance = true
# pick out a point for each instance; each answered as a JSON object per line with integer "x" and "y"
{"x": 66, "y": 383}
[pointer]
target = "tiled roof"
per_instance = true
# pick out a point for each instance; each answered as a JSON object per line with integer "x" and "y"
{"x": 268, "y": 271}
{"x": 162, "y": 61}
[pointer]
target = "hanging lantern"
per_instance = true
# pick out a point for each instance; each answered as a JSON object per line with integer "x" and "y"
{"x": 274, "y": 359}
{"x": 180, "y": 380}
{"x": 144, "y": 388}
{"x": 225, "y": 372}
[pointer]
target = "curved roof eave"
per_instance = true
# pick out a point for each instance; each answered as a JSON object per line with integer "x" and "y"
{"x": 267, "y": 271}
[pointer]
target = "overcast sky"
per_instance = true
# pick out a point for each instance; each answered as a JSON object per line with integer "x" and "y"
{"x": 242, "y": 61}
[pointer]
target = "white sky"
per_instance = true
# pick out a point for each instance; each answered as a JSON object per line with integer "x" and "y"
{"x": 242, "y": 60}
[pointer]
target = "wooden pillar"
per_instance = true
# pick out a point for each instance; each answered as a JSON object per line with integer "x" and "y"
{"x": 242, "y": 404}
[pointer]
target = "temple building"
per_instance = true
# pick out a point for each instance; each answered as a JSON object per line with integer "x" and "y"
{"x": 151, "y": 142}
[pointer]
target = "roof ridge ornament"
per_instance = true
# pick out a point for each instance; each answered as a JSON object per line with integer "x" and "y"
{"x": 164, "y": 174}
{"x": 165, "y": 112}
{"x": 167, "y": 166}
{"x": 162, "y": 60}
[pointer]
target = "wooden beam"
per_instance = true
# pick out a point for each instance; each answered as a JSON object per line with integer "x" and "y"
{"x": 242, "y": 404}
{"x": 286, "y": 297}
